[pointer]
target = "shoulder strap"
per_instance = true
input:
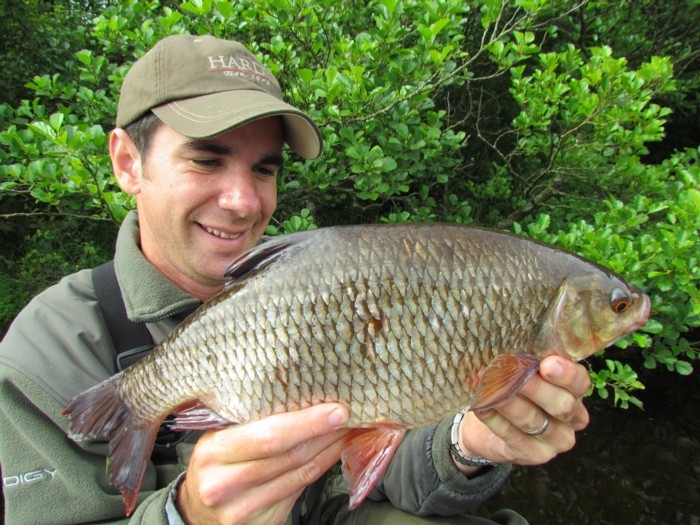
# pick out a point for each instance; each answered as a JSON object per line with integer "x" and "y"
{"x": 132, "y": 341}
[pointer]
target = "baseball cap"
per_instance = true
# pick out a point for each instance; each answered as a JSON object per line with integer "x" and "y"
{"x": 202, "y": 86}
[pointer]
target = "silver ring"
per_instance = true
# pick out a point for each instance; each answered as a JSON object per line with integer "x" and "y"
{"x": 540, "y": 430}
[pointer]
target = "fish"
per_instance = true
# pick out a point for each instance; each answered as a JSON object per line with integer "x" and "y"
{"x": 404, "y": 324}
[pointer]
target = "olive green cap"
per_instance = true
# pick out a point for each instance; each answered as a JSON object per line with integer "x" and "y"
{"x": 202, "y": 86}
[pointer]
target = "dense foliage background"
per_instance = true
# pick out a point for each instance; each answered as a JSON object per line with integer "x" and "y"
{"x": 574, "y": 122}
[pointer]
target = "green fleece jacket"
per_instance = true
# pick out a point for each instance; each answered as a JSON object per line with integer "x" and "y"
{"x": 59, "y": 346}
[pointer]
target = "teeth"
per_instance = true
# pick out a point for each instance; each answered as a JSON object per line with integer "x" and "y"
{"x": 222, "y": 234}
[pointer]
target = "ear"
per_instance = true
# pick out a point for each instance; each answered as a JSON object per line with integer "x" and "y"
{"x": 126, "y": 161}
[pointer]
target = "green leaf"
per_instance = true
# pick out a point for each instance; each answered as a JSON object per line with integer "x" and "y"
{"x": 42, "y": 128}
{"x": 56, "y": 121}
{"x": 653, "y": 327}
{"x": 388, "y": 164}
{"x": 85, "y": 56}
{"x": 683, "y": 368}
{"x": 225, "y": 7}
{"x": 691, "y": 196}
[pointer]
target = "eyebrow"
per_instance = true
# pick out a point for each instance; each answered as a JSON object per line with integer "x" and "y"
{"x": 216, "y": 148}
{"x": 207, "y": 146}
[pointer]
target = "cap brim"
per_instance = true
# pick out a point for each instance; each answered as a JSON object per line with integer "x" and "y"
{"x": 209, "y": 115}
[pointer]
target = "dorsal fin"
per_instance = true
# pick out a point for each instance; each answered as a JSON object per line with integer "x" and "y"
{"x": 264, "y": 254}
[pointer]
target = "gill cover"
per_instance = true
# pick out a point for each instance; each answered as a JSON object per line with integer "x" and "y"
{"x": 566, "y": 327}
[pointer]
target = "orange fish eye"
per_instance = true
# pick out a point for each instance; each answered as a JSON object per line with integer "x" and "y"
{"x": 619, "y": 301}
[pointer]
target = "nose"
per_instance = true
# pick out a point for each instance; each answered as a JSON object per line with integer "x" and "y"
{"x": 240, "y": 194}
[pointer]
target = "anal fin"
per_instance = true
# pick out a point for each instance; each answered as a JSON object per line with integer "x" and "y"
{"x": 366, "y": 457}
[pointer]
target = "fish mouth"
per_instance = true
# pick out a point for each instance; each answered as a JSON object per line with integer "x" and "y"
{"x": 644, "y": 315}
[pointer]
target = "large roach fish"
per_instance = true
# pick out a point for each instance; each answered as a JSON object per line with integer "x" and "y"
{"x": 403, "y": 324}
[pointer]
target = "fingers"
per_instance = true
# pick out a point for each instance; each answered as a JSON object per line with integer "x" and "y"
{"x": 294, "y": 467}
{"x": 512, "y": 445}
{"x": 274, "y": 497}
{"x": 524, "y": 415}
{"x": 492, "y": 435}
{"x": 558, "y": 391}
{"x": 274, "y": 435}
{"x": 566, "y": 374}
{"x": 550, "y": 402}
{"x": 253, "y": 473}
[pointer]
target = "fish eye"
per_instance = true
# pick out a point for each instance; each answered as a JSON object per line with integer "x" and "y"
{"x": 619, "y": 301}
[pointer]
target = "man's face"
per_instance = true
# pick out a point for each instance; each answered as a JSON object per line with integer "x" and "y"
{"x": 202, "y": 202}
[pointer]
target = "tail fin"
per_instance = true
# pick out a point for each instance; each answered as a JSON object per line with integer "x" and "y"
{"x": 100, "y": 412}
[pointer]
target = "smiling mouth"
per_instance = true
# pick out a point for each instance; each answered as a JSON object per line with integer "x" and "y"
{"x": 220, "y": 234}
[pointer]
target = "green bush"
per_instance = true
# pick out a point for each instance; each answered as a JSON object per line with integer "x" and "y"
{"x": 57, "y": 247}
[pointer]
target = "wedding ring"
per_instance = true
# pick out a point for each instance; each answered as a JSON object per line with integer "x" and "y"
{"x": 540, "y": 430}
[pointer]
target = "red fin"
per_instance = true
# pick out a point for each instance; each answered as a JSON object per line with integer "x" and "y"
{"x": 199, "y": 417}
{"x": 366, "y": 457}
{"x": 100, "y": 412}
{"x": 502, "y": 379}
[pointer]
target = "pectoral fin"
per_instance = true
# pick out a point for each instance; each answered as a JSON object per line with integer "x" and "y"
{"x": 502, "y": 379}
{"x": 366, "y": 457}
{"x": 198, "y": 417}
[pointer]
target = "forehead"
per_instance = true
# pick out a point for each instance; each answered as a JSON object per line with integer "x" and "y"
{"x": 270, "y": 128}
{"x": 266, "y": 135}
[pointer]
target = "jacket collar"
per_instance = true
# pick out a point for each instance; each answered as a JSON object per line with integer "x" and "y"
{"x": 149, "y": 296}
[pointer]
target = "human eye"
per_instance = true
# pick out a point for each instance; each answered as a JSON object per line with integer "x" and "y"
{"x": 266, "y": 170}
{"x": 207, "y": 163}
{"x": 204, "y": 155}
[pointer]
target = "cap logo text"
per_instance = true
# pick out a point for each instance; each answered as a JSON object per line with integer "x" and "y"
{"x": 239, "y": 66}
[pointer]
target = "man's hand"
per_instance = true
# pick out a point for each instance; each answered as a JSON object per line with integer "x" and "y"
{"x": 500, "y": 434}
{"x": 254, "y": 473}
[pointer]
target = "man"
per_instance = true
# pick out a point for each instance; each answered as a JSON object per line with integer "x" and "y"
{"x": 201, "y": 127}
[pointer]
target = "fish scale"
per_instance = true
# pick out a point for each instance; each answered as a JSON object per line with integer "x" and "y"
{"x": 403, "y": 324}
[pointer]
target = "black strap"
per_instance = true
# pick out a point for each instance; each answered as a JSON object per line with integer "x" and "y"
{"x": 132, "y": 341}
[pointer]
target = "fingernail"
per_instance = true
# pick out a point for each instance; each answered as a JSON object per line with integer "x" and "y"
{"x": 338, "y": 418}
{"x": 555, "y": 370}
